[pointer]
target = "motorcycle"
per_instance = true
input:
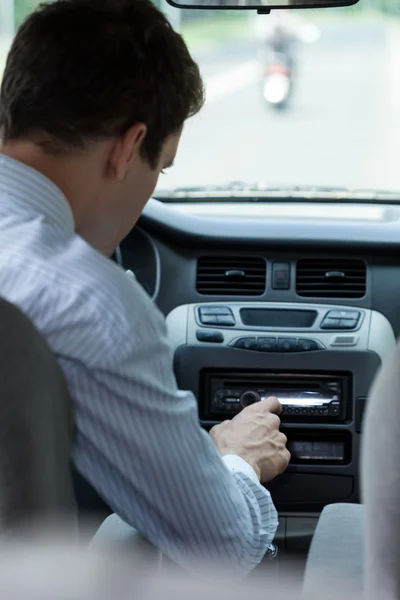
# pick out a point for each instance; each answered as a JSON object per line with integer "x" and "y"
{"x": 280, "y": 39}
{"x": 277, "y": 84}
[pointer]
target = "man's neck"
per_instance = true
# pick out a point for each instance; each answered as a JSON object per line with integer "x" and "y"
{"x": 75, "y": 176}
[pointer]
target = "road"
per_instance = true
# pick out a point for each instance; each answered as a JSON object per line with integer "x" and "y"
{"x": 343, "y": 128}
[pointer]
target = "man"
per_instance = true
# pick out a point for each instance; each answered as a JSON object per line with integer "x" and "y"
{"x": 93, "y": 101}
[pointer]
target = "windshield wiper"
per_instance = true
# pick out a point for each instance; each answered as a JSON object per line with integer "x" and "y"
{"x": 238, "y": 191}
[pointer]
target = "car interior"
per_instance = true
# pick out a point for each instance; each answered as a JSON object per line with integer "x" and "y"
{"x": 271, "y": 246}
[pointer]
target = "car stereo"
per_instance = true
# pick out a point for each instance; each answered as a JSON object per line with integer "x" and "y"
{"x": 314, "y": 397}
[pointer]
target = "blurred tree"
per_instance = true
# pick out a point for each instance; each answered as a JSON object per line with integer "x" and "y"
{"x": 390, "y": 6}
{"x": 22, "y": 8}
{"x": 6, "y": 19}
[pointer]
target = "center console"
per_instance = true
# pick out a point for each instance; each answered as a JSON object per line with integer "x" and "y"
{"x": 318, "y": 360}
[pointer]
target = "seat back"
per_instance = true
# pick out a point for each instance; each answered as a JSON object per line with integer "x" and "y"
{"x": 35, "y": 427}
{"x": 381, "y": 483}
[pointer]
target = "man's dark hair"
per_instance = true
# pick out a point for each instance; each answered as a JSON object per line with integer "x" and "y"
{"x": 86, "y": 70}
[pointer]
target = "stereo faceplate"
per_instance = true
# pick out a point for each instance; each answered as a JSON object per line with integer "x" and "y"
{"x": 303, "y": 396}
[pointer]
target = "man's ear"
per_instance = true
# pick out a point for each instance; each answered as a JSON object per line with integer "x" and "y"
{"x": 125, "y": 150}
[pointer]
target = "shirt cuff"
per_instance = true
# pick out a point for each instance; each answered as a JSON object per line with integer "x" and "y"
{"x": 236, "y": 464}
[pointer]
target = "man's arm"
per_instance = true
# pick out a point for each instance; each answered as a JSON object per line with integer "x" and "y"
{"x": 140, "y": 445}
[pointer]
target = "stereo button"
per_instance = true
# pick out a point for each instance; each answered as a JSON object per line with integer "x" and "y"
{"x": 249, "y": 398}
{"x": 287, "y": 344}
{"x": 307, "y": 345}
{"x": 216, "y": 315}
{"x": 343, "y": 314}
{"x": 348, "y": 323}
{"x": 330, "y": 324}
{"x": 215, "y": 310}
{"x": 214, "y": 337}
{"x": 208, "y": 320}
{"x": 226, "y": 320}
{"x": 248, "y": 343}
{"x": 266, "y": 344}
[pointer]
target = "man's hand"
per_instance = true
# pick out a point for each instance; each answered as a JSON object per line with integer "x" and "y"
{"x": 254, "y": 435}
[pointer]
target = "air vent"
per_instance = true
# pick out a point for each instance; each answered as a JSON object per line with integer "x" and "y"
{"x": 331, "y": 278}
{"x": 231, "y": 276}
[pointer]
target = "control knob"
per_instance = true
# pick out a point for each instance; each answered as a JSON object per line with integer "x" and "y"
{"x": 248, "y": 398}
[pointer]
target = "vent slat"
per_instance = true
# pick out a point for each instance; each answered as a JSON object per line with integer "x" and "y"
{"x": 319, "y": 272}
{"x": 220, "y": 271}
{"x": 333, "y": 286}
{"x": 312, "y": 279}
{"x": 213, "y": 281}
{"x": 216, "y": 280}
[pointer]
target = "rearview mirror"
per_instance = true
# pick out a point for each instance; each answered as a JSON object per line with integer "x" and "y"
{"x": 262, "y": 6}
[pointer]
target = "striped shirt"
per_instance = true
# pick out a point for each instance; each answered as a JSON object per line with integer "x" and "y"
{"x": 138, "y": 440}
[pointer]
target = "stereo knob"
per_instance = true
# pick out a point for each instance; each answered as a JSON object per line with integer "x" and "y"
{"x": 248, "y": 398}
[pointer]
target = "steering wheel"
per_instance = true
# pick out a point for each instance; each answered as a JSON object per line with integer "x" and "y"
{"x": 117, "y": 256}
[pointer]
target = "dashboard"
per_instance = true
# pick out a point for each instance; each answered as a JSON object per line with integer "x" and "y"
{"x": 293, "y": 299}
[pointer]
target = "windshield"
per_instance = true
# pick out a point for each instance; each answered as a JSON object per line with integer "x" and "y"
{"x": 294, "y": 99}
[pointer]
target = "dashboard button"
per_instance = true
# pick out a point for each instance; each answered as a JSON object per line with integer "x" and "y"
{"x": 225, "y": 320}
{"x": 348, "y": 323}
{"x": 266, "y": 344}
{"x": 328, "y": 323}
{"x": 215, "y": 310}
{"x": 307, "y": 345}
{"x": 214, "y": 337}
{"x": 287, "y": 344}
{"x": 342, "y": 340}
{"x": 280, "y": 276}
{"x": 247, "y": 343}
{"x": 353, "y": 315}
{"x": 249, "y": 398}
{"x": 231, "y": 400}
{"x": 343, "y": 314}
{"x": 208, "y": 320}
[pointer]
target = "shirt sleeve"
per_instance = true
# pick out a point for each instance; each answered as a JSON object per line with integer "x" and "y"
{"x": 236, "y": 464}
{"x": 139, "y": 443}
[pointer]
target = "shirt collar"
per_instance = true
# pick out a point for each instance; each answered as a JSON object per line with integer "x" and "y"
{"x": 31, "y": 192}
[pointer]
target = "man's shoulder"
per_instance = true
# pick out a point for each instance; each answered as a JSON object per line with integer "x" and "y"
{"x": 81, "y": 300}
{"x": 109, "y": 289}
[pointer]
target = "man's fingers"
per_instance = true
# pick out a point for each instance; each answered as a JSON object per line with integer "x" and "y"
{"x": 288, "y": 456}
{"x": 272, "y": 404}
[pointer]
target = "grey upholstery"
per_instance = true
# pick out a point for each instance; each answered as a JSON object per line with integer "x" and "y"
{"x": 369, "y": 549}
{"x": 335, "y": 560}
{"x": 35, "y": 427}
{"x": 381, "y": 483}
{"x": 36, "y": 434}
